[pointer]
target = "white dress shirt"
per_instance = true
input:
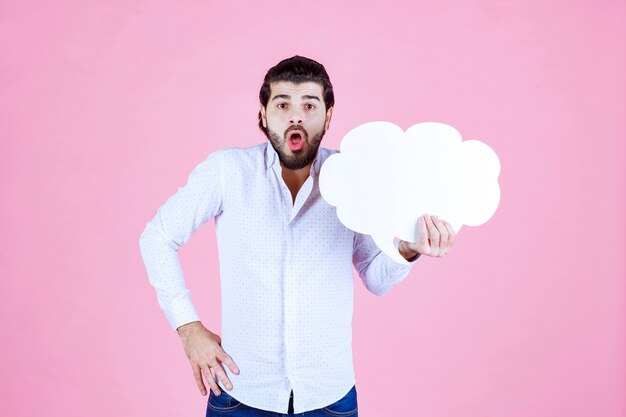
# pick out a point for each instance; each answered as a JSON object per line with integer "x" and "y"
{"x": 286, "y": 276}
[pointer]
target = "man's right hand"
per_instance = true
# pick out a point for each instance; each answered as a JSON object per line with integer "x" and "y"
{"x": 204, "y": 350}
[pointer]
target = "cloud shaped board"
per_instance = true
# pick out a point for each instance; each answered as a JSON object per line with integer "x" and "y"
{"x": 383, "y": 179}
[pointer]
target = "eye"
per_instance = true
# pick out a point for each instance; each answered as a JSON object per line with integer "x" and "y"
{"x": 310, "y": 106}
{"x": 282, "y": 105}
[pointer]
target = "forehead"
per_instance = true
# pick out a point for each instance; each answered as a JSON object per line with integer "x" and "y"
{"x": 296, "y": 90}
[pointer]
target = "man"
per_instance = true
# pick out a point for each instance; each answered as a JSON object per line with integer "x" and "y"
{"x": 285, "y": 261}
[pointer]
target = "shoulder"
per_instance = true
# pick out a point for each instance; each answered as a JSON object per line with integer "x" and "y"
{"x": 236, "y": 156}
{"x": 223, "y": 162}
{"x": 257, "y": 150}
{"x": 322, "y": 155}
{"x": 326, "y": 152}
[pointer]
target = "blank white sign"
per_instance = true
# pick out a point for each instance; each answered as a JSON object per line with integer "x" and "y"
{"x": 383, "y": 179}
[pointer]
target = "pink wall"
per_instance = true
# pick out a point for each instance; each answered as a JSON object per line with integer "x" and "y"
{"x": 106, "y": 107}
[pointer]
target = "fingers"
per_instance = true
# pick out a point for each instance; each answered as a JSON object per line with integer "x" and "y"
{"x": 211, "y": 379}
{"x": 422, "y": 242}
{"x": 218, "y": 370}
{"x": 451, "y": 235}
{"x": 230, "y": 363}
{"x": 222, "y": 374}
{"x": 434, "y": 236}
{"x": 443, "y": 236}
{"x": 203, "y": 348}
{"x": 423, "y": 231}
{"x": 210, "y": 369}
{"x": 198, "y": 375}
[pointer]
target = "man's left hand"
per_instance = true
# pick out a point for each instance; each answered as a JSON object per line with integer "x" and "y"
{"x": 436, "y": 238}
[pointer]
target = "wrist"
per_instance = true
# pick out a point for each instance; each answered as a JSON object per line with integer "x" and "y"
{"x": 188, "y": 328}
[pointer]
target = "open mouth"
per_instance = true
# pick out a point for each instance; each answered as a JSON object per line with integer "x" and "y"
{"x": 295, "y": 140}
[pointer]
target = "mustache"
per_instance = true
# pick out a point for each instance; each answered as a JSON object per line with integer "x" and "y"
{"x": 303, "y": 132}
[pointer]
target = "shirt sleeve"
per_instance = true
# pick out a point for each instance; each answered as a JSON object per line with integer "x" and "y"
{"x": 181, "y": 215}
{"x": 378, "y": 271}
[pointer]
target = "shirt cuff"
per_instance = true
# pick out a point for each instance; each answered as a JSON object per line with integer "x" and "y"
{"x": 181, "y": 311}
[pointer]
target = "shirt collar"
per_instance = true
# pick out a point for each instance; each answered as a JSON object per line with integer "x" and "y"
{"x": 271, "y": 156}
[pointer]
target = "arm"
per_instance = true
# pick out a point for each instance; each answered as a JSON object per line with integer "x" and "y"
{"x": 378, "y": 272}
{"x": 175, "y": 221}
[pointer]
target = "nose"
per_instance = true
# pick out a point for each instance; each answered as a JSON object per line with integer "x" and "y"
{"x": 295, "y": 118}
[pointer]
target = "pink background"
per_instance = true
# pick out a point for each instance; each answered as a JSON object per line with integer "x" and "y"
{"x": 107, "y": 106}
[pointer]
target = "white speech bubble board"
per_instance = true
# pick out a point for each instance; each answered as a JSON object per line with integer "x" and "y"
{"x": 383, "y": 179}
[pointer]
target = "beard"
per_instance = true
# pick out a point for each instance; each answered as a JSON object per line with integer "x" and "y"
{"x": 300, "y": 158}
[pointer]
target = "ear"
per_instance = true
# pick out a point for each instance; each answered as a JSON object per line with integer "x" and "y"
{"x": 329, "y": 114}
{"x": 263, "y": 117}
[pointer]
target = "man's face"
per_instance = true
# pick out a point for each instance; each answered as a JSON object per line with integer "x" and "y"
{"x": 296, "y": 120}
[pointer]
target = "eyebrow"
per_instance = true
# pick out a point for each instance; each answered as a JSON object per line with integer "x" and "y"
{"x": 304, "y": 97}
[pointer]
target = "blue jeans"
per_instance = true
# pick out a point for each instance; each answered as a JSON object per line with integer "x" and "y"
{"x": 225, "y": 405}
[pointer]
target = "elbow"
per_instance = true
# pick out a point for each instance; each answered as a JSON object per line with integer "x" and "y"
{"x": 380, "y": 285}
{"x": 143, "y": 237}
{"x": 152, "y": 238}
{"x": 372, "y": 283}
{"x": 378, "y": 289}
{"x": 146, "y": 239}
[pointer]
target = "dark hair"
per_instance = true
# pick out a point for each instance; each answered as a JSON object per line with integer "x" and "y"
{"x": 296, "y": 69}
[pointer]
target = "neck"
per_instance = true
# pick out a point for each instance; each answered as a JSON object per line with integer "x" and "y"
{"x": 295, "y": 178}
{"x": 296, "y": 175}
